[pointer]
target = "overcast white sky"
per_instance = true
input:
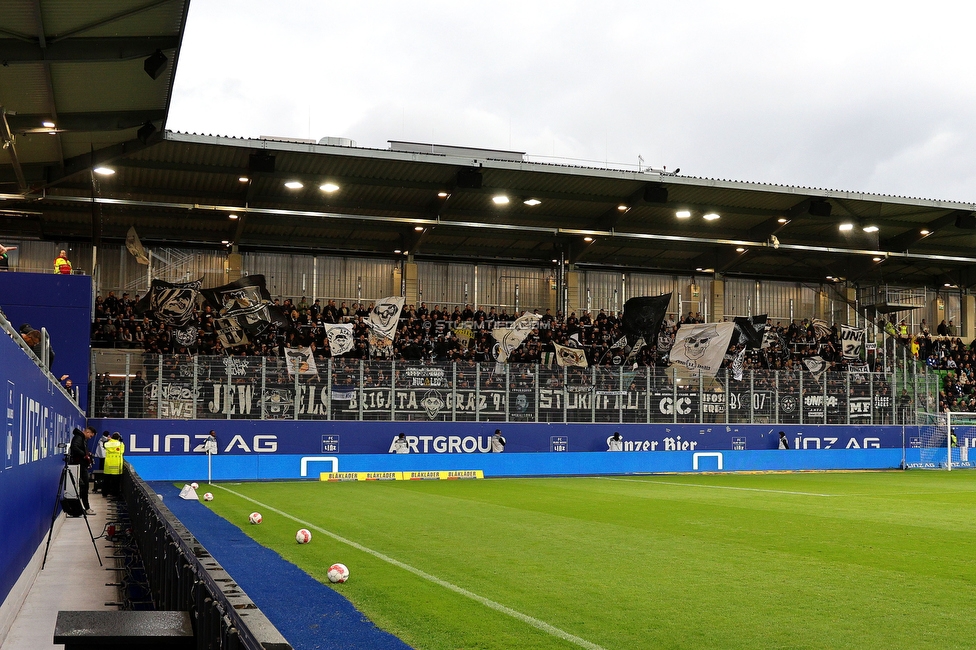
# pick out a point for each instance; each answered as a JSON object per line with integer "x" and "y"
{"x": 870, "y": 96}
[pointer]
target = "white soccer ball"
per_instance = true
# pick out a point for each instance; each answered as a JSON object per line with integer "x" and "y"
{"x": 208, "y": 497}
{"x": 195, "y": 485}
{"x": 303, "y": 536}
{"x": 255, "y": 518}
{"x": 338, "y": 573}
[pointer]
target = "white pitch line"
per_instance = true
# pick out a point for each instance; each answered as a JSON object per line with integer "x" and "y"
{"x": 717, "y": 487}
{"x": 498, "y": 607}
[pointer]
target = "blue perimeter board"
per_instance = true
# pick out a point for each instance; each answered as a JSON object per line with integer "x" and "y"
{"x": 303, "y": 609}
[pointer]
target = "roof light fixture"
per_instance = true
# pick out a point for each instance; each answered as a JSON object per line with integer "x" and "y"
{"x": 233, "y": 216}
{"x": 947, "y": 284}
{"x": 225, "y": 241}
{"x": 711, "y": 216}
{"x": 397, "y": 251}
{"x": 243, "y": 179}
{"x": 442, "y": 195}
{"x": 876, "y": 259}
{"x": 925, "y": 232}
{"x": 48, "y": 124}
{"x": 500, "y": 199}
{"x": 418, "y": 228}
{"x": 683, "y": 214}
{"x": 846, "y": 226}
{"x": 104, "y": 171}
{"x": 740, "y": 250}
{"x": 870, "y": 228}
{"x": 782, "y": 220}
{"x": 329, "y": 187}
{"x": 587, "y": 239}
{"x": 555, "y": 261}
{"x": 294, "y": 185}
{"x": 622, "y": 207}
{"x": 532, "y": 202}
{"x": 830, "y": 277}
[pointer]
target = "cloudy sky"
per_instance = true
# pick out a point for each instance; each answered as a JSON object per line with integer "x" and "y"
{"x": 866, "y": 96}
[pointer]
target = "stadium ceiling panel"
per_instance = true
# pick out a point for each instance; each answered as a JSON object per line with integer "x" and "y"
{"x": 80, "y": 80}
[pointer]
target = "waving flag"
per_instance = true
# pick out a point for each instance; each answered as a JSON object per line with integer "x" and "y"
{"x": 702, "y": 347}
{"x": 567, "y": 356}
{"x": 643, "y": 317}
{"x": 172, "y": 303}
{"x": 341, "y": 338}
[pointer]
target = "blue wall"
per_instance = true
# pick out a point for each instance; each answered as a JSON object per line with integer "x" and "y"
{"x": 37, "y": 416}
{"x": 63, "y": 305}
{"x": 274, "y": 449}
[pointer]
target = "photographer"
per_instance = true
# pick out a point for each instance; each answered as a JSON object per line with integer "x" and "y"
{"x": 78, "y": 455}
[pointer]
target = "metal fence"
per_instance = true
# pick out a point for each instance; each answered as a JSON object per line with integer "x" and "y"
{"x": 215, "y": 387}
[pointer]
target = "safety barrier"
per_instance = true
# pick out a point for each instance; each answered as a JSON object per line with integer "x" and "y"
{"x": 183, "y": 576}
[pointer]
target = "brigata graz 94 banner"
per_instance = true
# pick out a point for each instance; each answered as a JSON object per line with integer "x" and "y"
{"x": 176, "y": 437}
{"x": 425, "y": 393}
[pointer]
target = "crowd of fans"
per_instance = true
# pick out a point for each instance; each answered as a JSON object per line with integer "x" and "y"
{"x": 463, "y": 334}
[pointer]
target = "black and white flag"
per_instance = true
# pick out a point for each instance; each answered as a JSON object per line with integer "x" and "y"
{"x": 702, "y": 347}
{"x": 820, "y": 328}
{"x": 852, "y": 341}
{"x": 749, "y": 330}
{"x": 816, "y": 365}
{"x": 385, "y": 317}
{"x": 341, "y": 338}
{"x": 172, "y": 303}
{"x": 247, "y": 301}
{"x": 230, "y": 333}
{"x": 301, "y": 361}
{"x": 643, "y": 317}
{"x": 567, "y": 356}
{"x": 511, "y": 337}
{"x": 737, "y": 365}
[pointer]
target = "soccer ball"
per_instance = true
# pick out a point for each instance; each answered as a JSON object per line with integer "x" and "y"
{"x": 207, "y": 497}
{"x": 254, "y": 518}
{"x": 195, "y": 485}
{"x": 338, "y": 573}
{"x": 303, "y": 536}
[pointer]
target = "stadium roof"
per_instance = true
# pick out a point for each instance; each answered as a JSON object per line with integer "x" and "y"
{"x": 78, "y": 76}
{"x": 183, "y": 188}
{"x": 82, "y": 66}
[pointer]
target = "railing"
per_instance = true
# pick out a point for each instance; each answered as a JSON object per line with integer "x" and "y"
{"x": 207, "y": 387}
{"x": 183, "y": 576}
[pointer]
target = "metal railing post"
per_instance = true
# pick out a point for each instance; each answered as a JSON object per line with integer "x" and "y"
{"x": 620, "y": 394}
{"x": 752, "y": 396}
{"x": 871, "y": 393}
{"x": 507, "y": 388}
{"x": 701, "y": 398}
{"x": 802, "y": 400}
{"x": 848, "y": 400}
{"x": 537, "y": 370}
{"x": 362, "y": 395}
{"x": 776, "y": 396}
{"x": 454, "y": 391}
{"x": 125, "y": 407}
{"x": 565, "y": 396}
{"x": 647, "y": 393}
{"x": 328, "y": 389}
{"x": 826, "y": 380}
{"x": 159, "y": 389}
{"x": 674, "y": 397}
{"x": 393, "y": 390}
{"x": 229, "y": 392}
{"x": 477, "y": 391}
{"x": 264, "y": 386}
{"x": 593, "y": 396}
{"x": 728, "y": 387}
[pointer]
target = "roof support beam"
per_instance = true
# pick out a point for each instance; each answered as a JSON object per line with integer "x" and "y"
{"x": 84, "y": 50}
{"x": 724, "y": 258}
{"x": 100, "y": 121}
{"x": 914, "y": 235}
{"x": 7, "y": 141}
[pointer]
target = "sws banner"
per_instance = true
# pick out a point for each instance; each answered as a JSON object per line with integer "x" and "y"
{"x": 172, "y": 437}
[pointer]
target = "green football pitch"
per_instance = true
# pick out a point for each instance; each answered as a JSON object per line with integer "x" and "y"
{"x": 845, "y": 560}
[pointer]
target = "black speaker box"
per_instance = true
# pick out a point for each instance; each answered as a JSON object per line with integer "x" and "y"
{"x": 820, "y": 208}
{"x": 966, "y": 221}
{"x": 469, "y": 179}
{"x": 261, "y": 162}
{"x": 155, "y": 64}
{"x": 656, "y": 194}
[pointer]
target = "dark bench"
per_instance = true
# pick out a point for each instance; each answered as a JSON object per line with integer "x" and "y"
{"x": 124, "y": 629}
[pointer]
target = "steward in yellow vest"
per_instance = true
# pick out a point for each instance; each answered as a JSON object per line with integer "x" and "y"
{"x": 114, "y": 449}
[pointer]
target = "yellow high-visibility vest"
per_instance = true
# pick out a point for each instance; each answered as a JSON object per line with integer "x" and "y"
{"x": 113, "y": 457}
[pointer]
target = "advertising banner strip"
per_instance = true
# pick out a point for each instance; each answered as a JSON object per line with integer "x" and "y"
{"x": 432, "y": 475}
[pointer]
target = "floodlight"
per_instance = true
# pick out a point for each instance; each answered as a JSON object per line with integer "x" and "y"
{"x": 294, "y": 185}
{"x": 48, "y": 124}
{"x": 844, "y": 227}
{"x": 531, "y": 202}
{"x": 870, "y": 228}
{"x": 104, "y": 171}
{"x": 711, "y": 216}
{"x": 328, "y": 187}
{"x": 500, "y": 199}
{"x": 683, "y": 214}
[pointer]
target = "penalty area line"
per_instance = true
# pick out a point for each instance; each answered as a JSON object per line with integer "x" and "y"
{"x": 717, "y": 487}
{"x": 487, "y": 602}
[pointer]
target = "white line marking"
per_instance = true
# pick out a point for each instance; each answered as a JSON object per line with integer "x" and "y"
{"x": 717, "y": 487}
{"x": 498, "y": 607}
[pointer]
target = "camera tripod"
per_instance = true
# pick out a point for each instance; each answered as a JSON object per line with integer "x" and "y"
{"x": 60, "y": 499}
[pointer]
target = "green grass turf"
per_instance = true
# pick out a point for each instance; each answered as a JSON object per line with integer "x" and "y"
{"x": 887, "y": 560}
